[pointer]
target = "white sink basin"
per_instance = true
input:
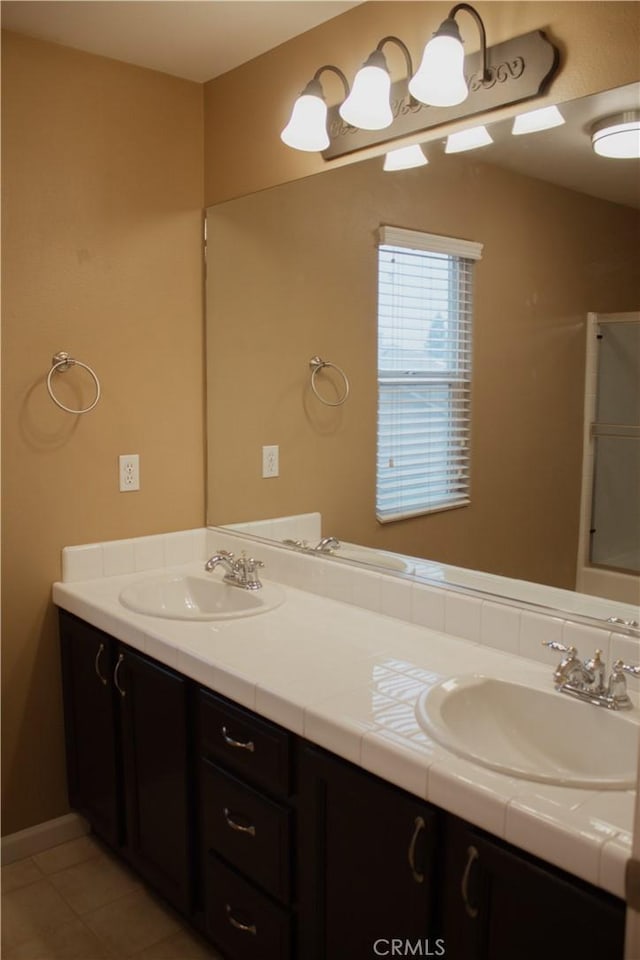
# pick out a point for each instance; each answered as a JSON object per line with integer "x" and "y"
{"x": 198, "y": 598}
{"x": 532, "y": 734}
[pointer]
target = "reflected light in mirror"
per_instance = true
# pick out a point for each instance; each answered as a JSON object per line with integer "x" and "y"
{"x": 543, "y": 119}
{"x": 468, "y": 139}
{"x": 404, "y": 158}
{"x": 618, "y": 136}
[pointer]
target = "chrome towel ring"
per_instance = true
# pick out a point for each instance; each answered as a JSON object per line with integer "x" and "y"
{"x": 316, "y": 364}
{"x": 62, "y": 361}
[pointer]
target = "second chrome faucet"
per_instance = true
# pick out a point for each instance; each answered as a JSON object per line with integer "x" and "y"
{"x": 587, "y": 680}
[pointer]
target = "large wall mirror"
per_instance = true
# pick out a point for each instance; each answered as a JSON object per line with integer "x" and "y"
{"x": 292, "y": 273}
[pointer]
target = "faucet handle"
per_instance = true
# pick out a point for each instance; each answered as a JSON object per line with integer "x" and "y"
{"x": 634, "y": 669}
{"x": 554, "y": 645}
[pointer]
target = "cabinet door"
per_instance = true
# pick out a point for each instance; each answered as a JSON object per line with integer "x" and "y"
{"x": 500, "y": 904}
{"x": 90, "y": 714}
{"x": 366, "y": 862}
{"x": 153, "y": 702}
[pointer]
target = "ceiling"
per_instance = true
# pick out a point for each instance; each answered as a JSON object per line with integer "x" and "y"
{"x": 193, "y": 39}
{"x": 201, "y": 39}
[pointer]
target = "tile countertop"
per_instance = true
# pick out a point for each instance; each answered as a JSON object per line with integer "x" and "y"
{"x": 348, "y": 680}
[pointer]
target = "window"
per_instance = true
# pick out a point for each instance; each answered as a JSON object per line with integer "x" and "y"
{"x": 424, "y": 372}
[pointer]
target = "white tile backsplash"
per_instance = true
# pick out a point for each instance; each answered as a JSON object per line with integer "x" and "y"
{"x": 462, "y": 616}
{"x": 500, "y": 626}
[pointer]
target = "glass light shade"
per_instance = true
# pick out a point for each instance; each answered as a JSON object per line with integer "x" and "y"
{"x": 404, "y": 158}
{"x": 307, "y": 128}
{"x": 439, "y": 81}
{"x": 468, "y": 140}
{"x": 534, "y": 120}
{"x": 367, "y": 106}
{"x": 618, "y": 137}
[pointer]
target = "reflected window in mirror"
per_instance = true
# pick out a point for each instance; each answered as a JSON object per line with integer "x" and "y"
{"x": 425, "y": 320}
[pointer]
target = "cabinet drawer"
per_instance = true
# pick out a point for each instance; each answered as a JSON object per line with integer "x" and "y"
{"x": 243, "y": 922}
{"x": 247, "y": 829}
{"x": 255, "y": 748}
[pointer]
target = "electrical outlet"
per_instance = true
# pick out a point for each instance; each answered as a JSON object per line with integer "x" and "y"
{"x": 270, "y": 461}
{"x": 129, "y": 472}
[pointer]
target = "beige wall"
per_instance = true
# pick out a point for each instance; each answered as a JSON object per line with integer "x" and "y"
{"x": 102, "y": 210}
{"x": 294, "y": 273}
{"x": 246, "y": 109}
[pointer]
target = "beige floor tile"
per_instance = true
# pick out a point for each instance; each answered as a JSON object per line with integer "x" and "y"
{"x": 19, "y": 874}
{"x": 180, "y": 946}
{"x": 132, "y": 923}
{"x": 30, "y": 911}
{"x": 71, "y": 941}
{"x": 67, "y": 854}
{"x": 94, "y": 883}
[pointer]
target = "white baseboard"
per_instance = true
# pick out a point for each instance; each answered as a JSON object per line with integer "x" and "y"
{"x": 25, "y": 843}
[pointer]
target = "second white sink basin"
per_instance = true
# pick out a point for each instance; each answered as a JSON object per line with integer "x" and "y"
{"x": 533, "y": 734}
{"x": 198, "y": 598}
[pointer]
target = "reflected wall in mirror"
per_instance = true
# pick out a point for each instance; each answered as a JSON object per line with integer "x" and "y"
{"x": 292, "y": 273}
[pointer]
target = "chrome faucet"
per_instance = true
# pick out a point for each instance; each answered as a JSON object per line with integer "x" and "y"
{"x": 326, "y": 545}
{"x": 586, "y": 681}
{"x": 241, "y": 572}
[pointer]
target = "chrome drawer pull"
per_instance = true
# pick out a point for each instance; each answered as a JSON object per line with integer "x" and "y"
{"x": 419, "y": 827}
{"x": 103, "y": 680}
{"x": 245, "y": 927}
{"x": 240, "y": 744}
{"x": 251, "y": 830}
{"x": 473, "y": 855}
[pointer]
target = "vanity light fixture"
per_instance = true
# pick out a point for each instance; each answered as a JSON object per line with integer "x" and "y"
{"x": 468, "y": 139}
{"x": 618, "y": 136}
{"x": 307, "y": 127}
{"x": 440, "y": 80}
{"x": 543, "y": 119}
{"x": 368, "y": 105}
{"x": 404, "y": 158}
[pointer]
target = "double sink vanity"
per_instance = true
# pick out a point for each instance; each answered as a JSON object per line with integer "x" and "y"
{"x": 319, "y": 761}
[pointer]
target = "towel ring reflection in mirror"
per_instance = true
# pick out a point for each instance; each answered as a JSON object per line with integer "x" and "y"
{"x": 62, "y": 361}
{"x": 317, "y": 364}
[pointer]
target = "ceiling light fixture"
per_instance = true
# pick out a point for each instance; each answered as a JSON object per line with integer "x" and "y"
{"x": 368, "y": 105}
{"x": 307, "y": 127}
{"x": 468, "y": 139}
{"x": 543, "y": 119}
{"x": 440, "y": 80}
{"x": 404, "y": 158}
{"x": 618, "y": 136}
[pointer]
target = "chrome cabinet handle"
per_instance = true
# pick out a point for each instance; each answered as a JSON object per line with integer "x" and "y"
{"x": 245, "y": 927}
{"x": 420, "y": 825}
{"x": 103, "y": 680}
{"x": 239, "y": 744}
{"x": 122, "y": 692}
{"x": 251, "y": 830}
{"x": 472, "y": 856}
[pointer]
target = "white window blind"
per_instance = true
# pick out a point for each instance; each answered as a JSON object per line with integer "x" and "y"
{"x": 425, "y": 311}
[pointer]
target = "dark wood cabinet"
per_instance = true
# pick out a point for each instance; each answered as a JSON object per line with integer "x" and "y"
{"x": 367, "y": 867}
{"x": 91, "y": 727}
{"x": 154, "y": 739}
{"x": 279, "y": 850}
{"x": 500, "y": 904}
{"x": 247, "y": 817}
{"x": 126, "y": 719}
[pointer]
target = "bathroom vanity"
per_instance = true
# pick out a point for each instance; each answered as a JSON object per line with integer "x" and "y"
{"x": 322, "y": 838}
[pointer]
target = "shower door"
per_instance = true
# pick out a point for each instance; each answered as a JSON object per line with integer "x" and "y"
{"x": 615, "y": 510}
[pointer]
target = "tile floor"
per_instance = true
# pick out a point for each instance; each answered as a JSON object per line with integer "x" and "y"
{"x": 78, "y": 902}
